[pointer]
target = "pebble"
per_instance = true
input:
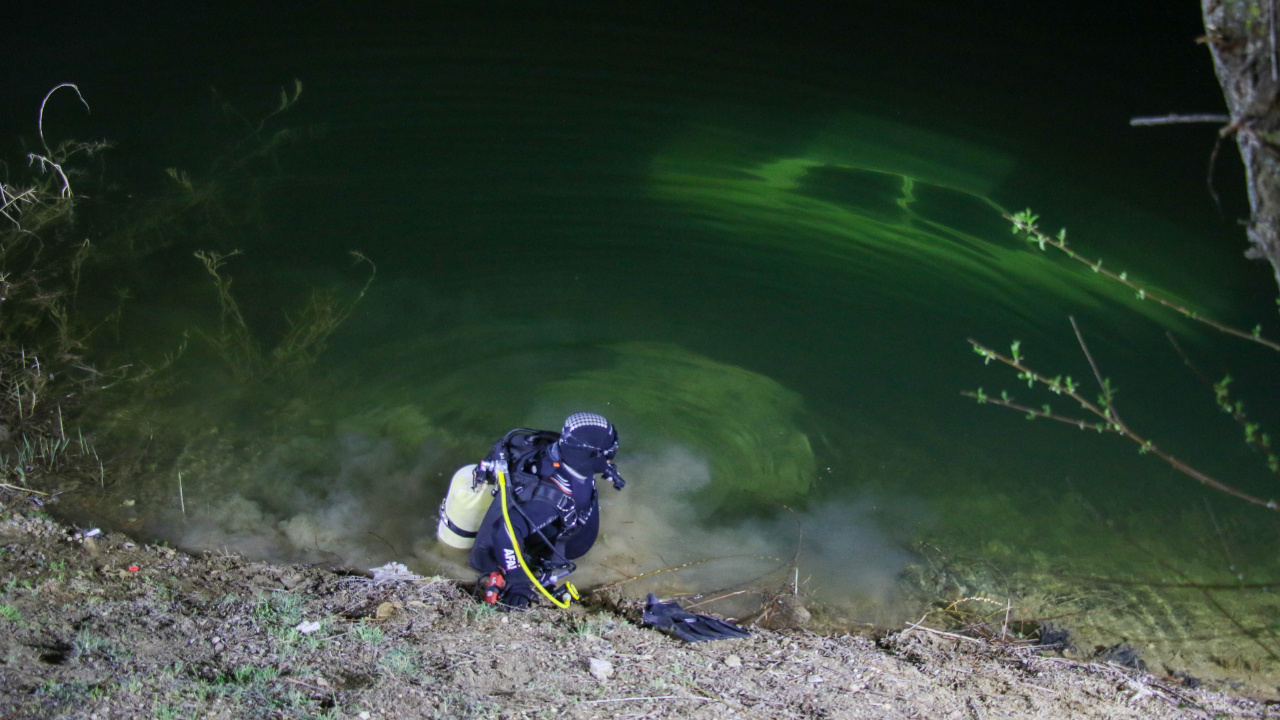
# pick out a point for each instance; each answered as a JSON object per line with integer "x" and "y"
{"x": 601, "y": 669}
{"x": 733, "y": 661}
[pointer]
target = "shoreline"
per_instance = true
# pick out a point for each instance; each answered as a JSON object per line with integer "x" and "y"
{"x": 106, "y": 627}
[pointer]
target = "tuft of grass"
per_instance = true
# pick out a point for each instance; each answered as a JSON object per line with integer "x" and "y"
{"x": 401, "y": 661}
{"x": 254, "y": 675}
{"x": 366, "y": 633}
{"x": 10, "y": 613}
{"x": 478, "y": 611}
{"x": 87, "y": 642}
{"x": 591, "y": 625}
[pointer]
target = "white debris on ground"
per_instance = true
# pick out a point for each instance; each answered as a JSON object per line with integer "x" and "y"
{"x": 393, "y": 572}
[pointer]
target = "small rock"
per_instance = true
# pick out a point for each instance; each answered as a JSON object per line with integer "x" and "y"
{"x": 733, "y": 661}
{"x": 815, "y": 679}
{"x": 306, "y": 627}
{"x": 601, "y": 669}
{"x": 364, "y": 715}
{"x": 128, "y": 503}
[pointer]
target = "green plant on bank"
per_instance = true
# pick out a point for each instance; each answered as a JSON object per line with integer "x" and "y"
{"x": 282, "y": 607}
{"x": 401, "y": 661}
{"x": 1100, "y": 413}
{"x": 44, "y": 372}
{"x": 255, "y": 675}
{"x": 87, "y": 642}
{"x": 596, "y": 625}
{"x": 367, "y": 633}
{"x": 10, "y": 613}
{"x": 478, "y": 611}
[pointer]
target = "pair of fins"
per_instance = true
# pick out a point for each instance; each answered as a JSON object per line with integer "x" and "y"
{"x": 674, "y": 620}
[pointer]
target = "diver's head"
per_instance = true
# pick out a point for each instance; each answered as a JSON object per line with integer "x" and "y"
{"x": 587, "y": 443}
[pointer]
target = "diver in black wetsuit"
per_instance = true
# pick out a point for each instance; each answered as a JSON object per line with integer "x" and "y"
{"x": 552, "y": 504}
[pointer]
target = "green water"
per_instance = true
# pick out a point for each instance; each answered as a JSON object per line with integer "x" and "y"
{"x": 757, "y": 247}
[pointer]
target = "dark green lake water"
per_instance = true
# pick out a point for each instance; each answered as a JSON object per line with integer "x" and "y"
{"x": 755, "y": 238}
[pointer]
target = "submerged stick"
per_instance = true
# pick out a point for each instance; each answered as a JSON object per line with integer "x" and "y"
{"x": 22, "y": 489}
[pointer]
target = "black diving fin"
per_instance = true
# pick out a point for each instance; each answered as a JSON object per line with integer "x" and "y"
{"x": 670, "y": 618}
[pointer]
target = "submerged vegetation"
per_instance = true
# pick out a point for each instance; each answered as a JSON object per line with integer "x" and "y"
{"x": 73, "y": 250}
{"x": 309, "y": 329}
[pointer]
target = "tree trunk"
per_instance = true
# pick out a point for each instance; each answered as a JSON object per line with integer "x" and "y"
{"x": 1241, "y": 35}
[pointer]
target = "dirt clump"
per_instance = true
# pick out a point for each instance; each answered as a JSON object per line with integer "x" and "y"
{"x": 98, "y": 626}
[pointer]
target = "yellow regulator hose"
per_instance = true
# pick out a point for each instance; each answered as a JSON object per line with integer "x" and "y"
{"x": 515, "y": 544}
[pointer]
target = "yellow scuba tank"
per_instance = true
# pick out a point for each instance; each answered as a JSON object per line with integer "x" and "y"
{"x": 463, "y": 509}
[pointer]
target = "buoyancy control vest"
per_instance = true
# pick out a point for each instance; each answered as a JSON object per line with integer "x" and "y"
{"x": 473, "y": 487}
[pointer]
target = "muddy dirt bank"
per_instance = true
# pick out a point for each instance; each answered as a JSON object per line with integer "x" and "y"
{"x": 106, "y": 627}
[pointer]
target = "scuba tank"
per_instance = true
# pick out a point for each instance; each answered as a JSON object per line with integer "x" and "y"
{"x": 473, "y": 487}
{"x": 463, "y": 509}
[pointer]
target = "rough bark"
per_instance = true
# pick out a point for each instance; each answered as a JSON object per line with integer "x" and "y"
{"x": 1241, "y": 35}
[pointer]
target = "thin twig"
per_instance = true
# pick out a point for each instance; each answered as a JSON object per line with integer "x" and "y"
{"x": 388, "y": 542}
{"x": 1102, "y": 385}
{"x": 704, "y": 602}
{"x": 22, "y": 489}
{"x": 945, "y": 634}
{"x": 1176, "y": 119}
{"x": 1026, "y": 222}
{"x": 1208, "y": 178}
{"x": 652, "y": 697}
{"x": 1112, "y": 423}
{"x": 40, "y": 118}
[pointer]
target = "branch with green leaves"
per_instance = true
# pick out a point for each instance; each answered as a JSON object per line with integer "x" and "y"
{"x": 1025, "y": 222}
{"x": 1105, "y": 418}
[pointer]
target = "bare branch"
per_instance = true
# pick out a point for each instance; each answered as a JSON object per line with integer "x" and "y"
{"x": 40, "y": 119}
{"x": 1175, "y": 119}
